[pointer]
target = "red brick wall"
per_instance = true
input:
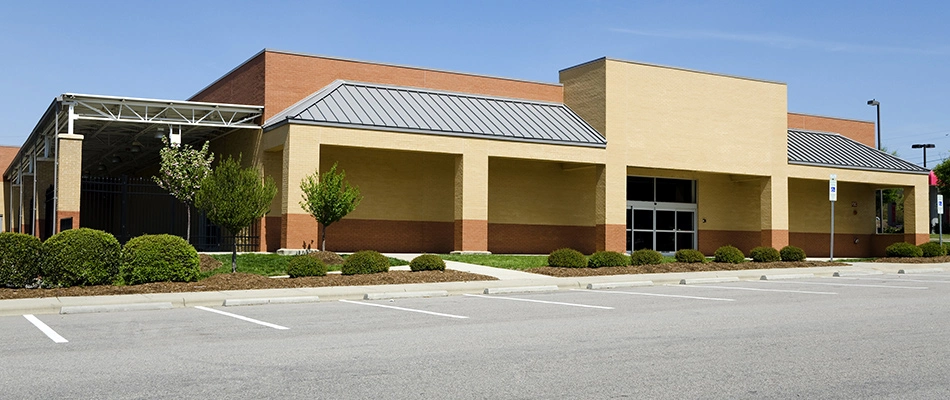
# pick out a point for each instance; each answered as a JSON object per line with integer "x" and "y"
{"x": 862, "y": 131}
{"x": 391, "y": 236}
{"x": 610, "y": 237}
{"x": 710, "y": 240}
{"x": 244, "y": 85}
{"x": 539, "y": 239}
{"x": 470, "y": 235}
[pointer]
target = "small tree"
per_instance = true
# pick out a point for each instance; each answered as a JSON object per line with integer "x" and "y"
{"x": 329, "y": 198}
{"x": 233, "y": 197}
{"x": 182, "y": 170}
{"x": 942, "y": 171}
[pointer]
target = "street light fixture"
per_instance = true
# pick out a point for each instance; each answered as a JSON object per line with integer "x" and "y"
{"x": 924, "y": 146}
{"x": 877, "y": 104}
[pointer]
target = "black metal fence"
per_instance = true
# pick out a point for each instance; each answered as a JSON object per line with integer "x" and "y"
{"x": 129, "y": 207}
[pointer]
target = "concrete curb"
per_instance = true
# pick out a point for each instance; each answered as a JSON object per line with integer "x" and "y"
{"x": 857, "y": 273}
{"x": 405, "y": 295}
{"x": 919, "y": 270}
{"x": 114, "y": 308}
{"x": 275, "y": 300}
{"x": 694, "y": 281}
{"x": 776, "y": 277}
{"x": 617, "y": 285}
{"x": 524, "y": 289}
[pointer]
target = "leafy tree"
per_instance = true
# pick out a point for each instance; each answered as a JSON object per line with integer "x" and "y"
{"x": 234, "y": 197}
{"x": 182, "y": 170}
{"x": 329, "y": 198}
{"x": 942, "y": 171}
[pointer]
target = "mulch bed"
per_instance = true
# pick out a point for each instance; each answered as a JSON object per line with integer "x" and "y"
{"x": 243, "y": 281}
{"x": 676, "y": 267}
{"x": 914, "y": 260}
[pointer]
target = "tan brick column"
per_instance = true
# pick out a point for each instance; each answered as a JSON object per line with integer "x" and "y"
{"x": 611, "y": 203}
{"x": 774, "y": 211}
{"x": 471, "y": 201}
{"x": 917, "y": 213}
{"x": 68, "y": 179}
{"x": 301, "y": 157}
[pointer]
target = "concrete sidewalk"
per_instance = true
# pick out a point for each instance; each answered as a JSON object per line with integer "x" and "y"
{"x": 506, "y": 279}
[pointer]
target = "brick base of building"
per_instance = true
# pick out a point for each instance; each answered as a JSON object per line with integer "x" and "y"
{"x": 391, "y": 236}
{"x": 539, "y": 239}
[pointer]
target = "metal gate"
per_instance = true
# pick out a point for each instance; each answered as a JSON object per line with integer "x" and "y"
{"x": 129, "y": 207}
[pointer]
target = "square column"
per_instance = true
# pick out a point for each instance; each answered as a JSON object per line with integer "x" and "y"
{"x": 68, "y": 181}
{"x": 917, "y": 214}
{"x": 471, "y": 202}
{"x": 611, "y": 208}
{"x": 773, "y": 205}
{"x": 301, "y": 157}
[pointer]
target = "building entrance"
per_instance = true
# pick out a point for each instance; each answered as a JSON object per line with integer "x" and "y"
{"x": 661, "y": 214}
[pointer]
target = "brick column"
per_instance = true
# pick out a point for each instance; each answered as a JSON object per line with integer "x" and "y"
{"x": 301, "y": 157}
{"x": 471, "y": 202}
{"x": 773, "y": 206}
{"x": 68, "y": 179}
{"x": 917, "y": 213}
{"x": 611, "y": 207}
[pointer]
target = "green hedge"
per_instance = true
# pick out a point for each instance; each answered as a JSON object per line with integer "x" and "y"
{"x": 607, "y": 259}
{"x": 80, "y": 256}
{"x": 427, "y": 262}
{"x": 729, "y": 254}
{"x": 305, "y": 265}
{"x": 765, "y": 254}
{"x": 903, "y": 249}
{"x": 689, "y": 256}
{"x": 365, "y": 262}
{"x": 158, "y": 258}
{"x": 792, "y": 254}
{"x": 932, "y": 249}
{"x": 645, "y": 257}
{"x": 19, "y": 259}
{"x": 567, "y": 258}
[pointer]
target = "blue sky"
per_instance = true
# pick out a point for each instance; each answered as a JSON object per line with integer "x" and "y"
{"x": 834, "y": 55}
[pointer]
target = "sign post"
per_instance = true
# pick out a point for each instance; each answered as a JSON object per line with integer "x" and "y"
{"x": 833, "y": 197}
{"x": 940, "y": 217}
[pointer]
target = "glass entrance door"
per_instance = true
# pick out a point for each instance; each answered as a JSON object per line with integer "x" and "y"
{"x": 662, "y": 227}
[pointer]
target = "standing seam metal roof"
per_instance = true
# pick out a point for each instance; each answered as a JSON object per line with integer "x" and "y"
{"x": 344, "y": 103}
{"x": 834, "y": 150}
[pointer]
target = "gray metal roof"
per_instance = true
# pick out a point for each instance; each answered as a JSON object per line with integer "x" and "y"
{"x": 405, "y": 109}
{"x": 834, "y": 150}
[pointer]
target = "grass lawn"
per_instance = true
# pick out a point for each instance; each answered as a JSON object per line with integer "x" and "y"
{"x": 268, "y": 264}
{"x": 510, "y": 261}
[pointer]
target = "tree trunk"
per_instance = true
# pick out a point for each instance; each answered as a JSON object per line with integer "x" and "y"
{"x": 323, "y": 238}
{"x": 188, "y": 227}
{"x": 234, "y": 254}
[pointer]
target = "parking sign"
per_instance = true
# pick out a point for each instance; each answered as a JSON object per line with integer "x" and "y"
{"x": 833, "y": 188}
{"x": 939, "y": 204}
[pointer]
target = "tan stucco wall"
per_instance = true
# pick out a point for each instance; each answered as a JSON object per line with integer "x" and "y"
{"x": 540, "y": 193}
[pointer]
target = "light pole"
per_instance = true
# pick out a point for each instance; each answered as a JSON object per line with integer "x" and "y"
{"x": 924, "y": 146}
{"x": 877, "y": 104}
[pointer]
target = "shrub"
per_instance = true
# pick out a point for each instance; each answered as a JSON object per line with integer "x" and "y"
{"x": 365, "y": 262}
{"x": 327, "y": 257}
{"x": 729, "y": 254}
{"x": 80, "y": 256}
{"x": 792, "y": 253}
{"x": 427, "y": 262}
{"x": 689, "y": 256}
{"x": 607, "y": 259}
{"x": 158, "y": 258}
{"x": 932, "y": 249}
{"x": 645, "y": 257}
{"x": 19, "y": 259}
{"x": 567, "y": 258}
{"x": 903, "y": 249}
{"x": 306, "y": 265}
{"x": 765, "y": 254}
{"x": 946, "y": 247}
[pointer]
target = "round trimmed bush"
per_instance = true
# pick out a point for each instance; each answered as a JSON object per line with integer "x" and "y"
{"x": 607, "y": 259}
{"x": 689, "y": 256}
{"x": 305, "y": 265}
{"x": 19, "y": 259}
{"x": 729, "y": 254}
{"x": 427, "y": 262}
{"x": 792, "y": 254}
{"x": 80, "y": 256}
{"x": 365, "y": 262}
{"x": 645, "y": 257}
{"x": 946, "y": 247}
{"x": 903, "y": 249}
{"x": 932, "y": 249}
{"x": 765, "y": 254}
{"x": 567, "y": 258}
{"x": 159, "y": 258}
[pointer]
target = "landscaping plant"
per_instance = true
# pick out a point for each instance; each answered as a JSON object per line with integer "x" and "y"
{"x": 427, "y": 262}
{"x": 19, "y": 259}
{"x": 689, "y": 256}
{"x": 645, "y": 257}
{"x": 181, "y": 172}
{"x": 567, "y": 258}
{"x": 932, "y": 249}
{"x": 80, "y": 257}
{"x": 792, "y": 254}
{"x": 903, "y": 249}
{"x": 607, "y": 259}
{"x": 158, "y": 258}
{"x": 304, "y": 265}
{"x": 365, "y": 262}
{"x": 765, "y": 254}
{"x": 328, "y": 198}
{"x": 728, "y": 254}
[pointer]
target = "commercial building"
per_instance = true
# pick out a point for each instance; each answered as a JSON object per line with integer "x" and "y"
{"x": 617, "y": 156}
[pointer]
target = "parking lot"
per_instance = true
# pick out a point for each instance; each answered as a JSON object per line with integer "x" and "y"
{"x": 875, "y": 336}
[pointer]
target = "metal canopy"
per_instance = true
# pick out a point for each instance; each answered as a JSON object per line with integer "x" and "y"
{"x": 825, "y": 149}
{"x": 118, "y": 132}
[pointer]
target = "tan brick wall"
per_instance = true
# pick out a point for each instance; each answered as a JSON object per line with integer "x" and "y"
{"x": 70, "y": 174}
{"x": 854, "y": 210}
{"x": 861, "y": 131}
{"x": 585, "y": 92}
{"x": 541, "y": 193}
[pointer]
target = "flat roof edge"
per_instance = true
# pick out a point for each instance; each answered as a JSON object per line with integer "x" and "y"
{"x": 227, "y": 73}
{"x": 696, "y": 71}
{"x": 829, "y": 117}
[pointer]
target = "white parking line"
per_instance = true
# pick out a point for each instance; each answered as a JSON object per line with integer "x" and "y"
{"x": 656, "y": 294}
{"x": 898, "y": 279}
{"x": 404, "y": 309}
{"x": 242, "y": 318}
{"x": 542, "y": 301}
{"x": 752, "y": 289}
{"x": 848, "y": 284}
{"x": 925, "y": 275}
{"x": 45, "y": 329}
